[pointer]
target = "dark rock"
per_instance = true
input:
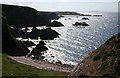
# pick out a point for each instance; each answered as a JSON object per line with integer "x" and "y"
{"x": 81, "y": 23}
{"x": 29, "y": 43}
{"x": 16, "y": 32}
{"x": 53, "y": 56}
{"x": 26, "y": 29}
{"x": 42, "y": 43}
{"x": 69, "y": 18}
{"x": 22, "y": 16}
{"x": 59, "y": 62}
{"x": 98, "y": 15}
{"x": 42, "y": 57}
{"x": 35, "y": 52}
{"x": 41, "y": 48}
{"x": 10, "y": 45}
{"x": 55, "y": 24}
{"x": 48, "y": 34}
{"x": 85, "y": 18}
{"x": 34, "y": 34}
{"x": 45, "y": 34}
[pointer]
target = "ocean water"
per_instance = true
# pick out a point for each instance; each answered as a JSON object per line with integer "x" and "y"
{"x": 75, "y": 42}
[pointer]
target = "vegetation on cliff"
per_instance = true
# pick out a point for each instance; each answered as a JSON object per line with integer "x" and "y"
{"x": 103, "y": 62}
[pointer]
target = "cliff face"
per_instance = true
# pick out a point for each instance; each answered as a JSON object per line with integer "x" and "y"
{"x": 104, "y": 61}
{"x": 25, "y": 16}
{"x": 9, "y": 44}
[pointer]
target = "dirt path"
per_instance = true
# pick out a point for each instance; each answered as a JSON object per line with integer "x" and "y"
{"x": 42, "y": 64}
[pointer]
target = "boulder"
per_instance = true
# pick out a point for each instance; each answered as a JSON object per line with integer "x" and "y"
{"x": 42, "y": 43}
{"x": 35, "y": 52}
{"x": 34, "y": 34}
{"x": 41, "y": 48}
{"x": 48, "y": 34}
{"x": 81, "y": 23}
{"x": 55, "y": 24}
{"x": 29, "y": 43}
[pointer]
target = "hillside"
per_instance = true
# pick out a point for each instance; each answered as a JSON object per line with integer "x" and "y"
{"x": 21, "y": 16}
{"x": 103, "y": 62}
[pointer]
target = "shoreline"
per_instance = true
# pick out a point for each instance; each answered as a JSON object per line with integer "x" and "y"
{"x": 41, "y": 64}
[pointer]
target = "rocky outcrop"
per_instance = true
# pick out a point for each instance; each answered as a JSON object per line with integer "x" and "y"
{"x": 10, "y": 45}
{"x": 48, "y": 34}
{"x": 81, "y": 24}
{"x": 23, "y": 16}
{"x": 45, "y": 34}
{"x": 34, "y": 34}
{"x": 103, "y": 62}
{"x": 16, "y": 32}
{"x": 35, "y": 52}
{"x": 41, "y": 46}
{"x": 29, "y": 43}
{"x": 55, "y": 24}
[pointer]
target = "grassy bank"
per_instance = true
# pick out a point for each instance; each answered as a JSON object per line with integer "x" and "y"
{"x": 13, "y": 68}
{"x": 103, "y": 62}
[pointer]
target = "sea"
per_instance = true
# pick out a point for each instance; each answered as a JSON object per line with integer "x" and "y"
{"x": 76, "y": 42}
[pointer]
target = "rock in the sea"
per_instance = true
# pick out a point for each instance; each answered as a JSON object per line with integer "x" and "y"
{"x": 42, "y": 43}
{"x": 81, "y": 23}
{"x": 41, "y": 47}
{"x": 48, "y": 34}
{"x": 35, "y": 52}
{"x": 34, "y": 34}
{"x": 55, "y": 24}
{"x": 85, "y": 18}
{"x": 29, "y": 43}
{"x": 59, "y": 62}
{"x": 16, "y": 32}
{"x": 45, "y": 34}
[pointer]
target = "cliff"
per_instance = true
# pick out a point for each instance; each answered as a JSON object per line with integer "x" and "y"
{"x": 21, "y": 16}
{"x": 103, "y": 62}
{"x": 10, "y": 45}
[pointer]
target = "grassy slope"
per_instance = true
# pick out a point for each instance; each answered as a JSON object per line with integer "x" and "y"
{"x": 13, "y": 68}
{"x": 104, "y": 61}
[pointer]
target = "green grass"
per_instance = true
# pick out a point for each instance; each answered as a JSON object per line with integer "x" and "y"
{"x": 13, "y": 68}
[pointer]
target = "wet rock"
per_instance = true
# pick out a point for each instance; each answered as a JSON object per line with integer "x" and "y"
{"x": 29, "y": 43}
{"x": 85, "y": 18}
{"x": 35, "y": 52}
{"x": 26, "y": 29}
{"x": 48, "y": 34}
{"x": 42, "y": 43}
{"x": 41, "y": 46}
{"x": 59, "y": 62}
{"x": 53, "y": 56}
{"x": 34, "y": 34}
{"x": 80, "y": 23}
{"x": 98, "y": 15}
{"x": 55, "y": 24}
{"x": 69, "y": 18}
{"x": 16, "y": 32}
{"x": 45, "y": 34}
